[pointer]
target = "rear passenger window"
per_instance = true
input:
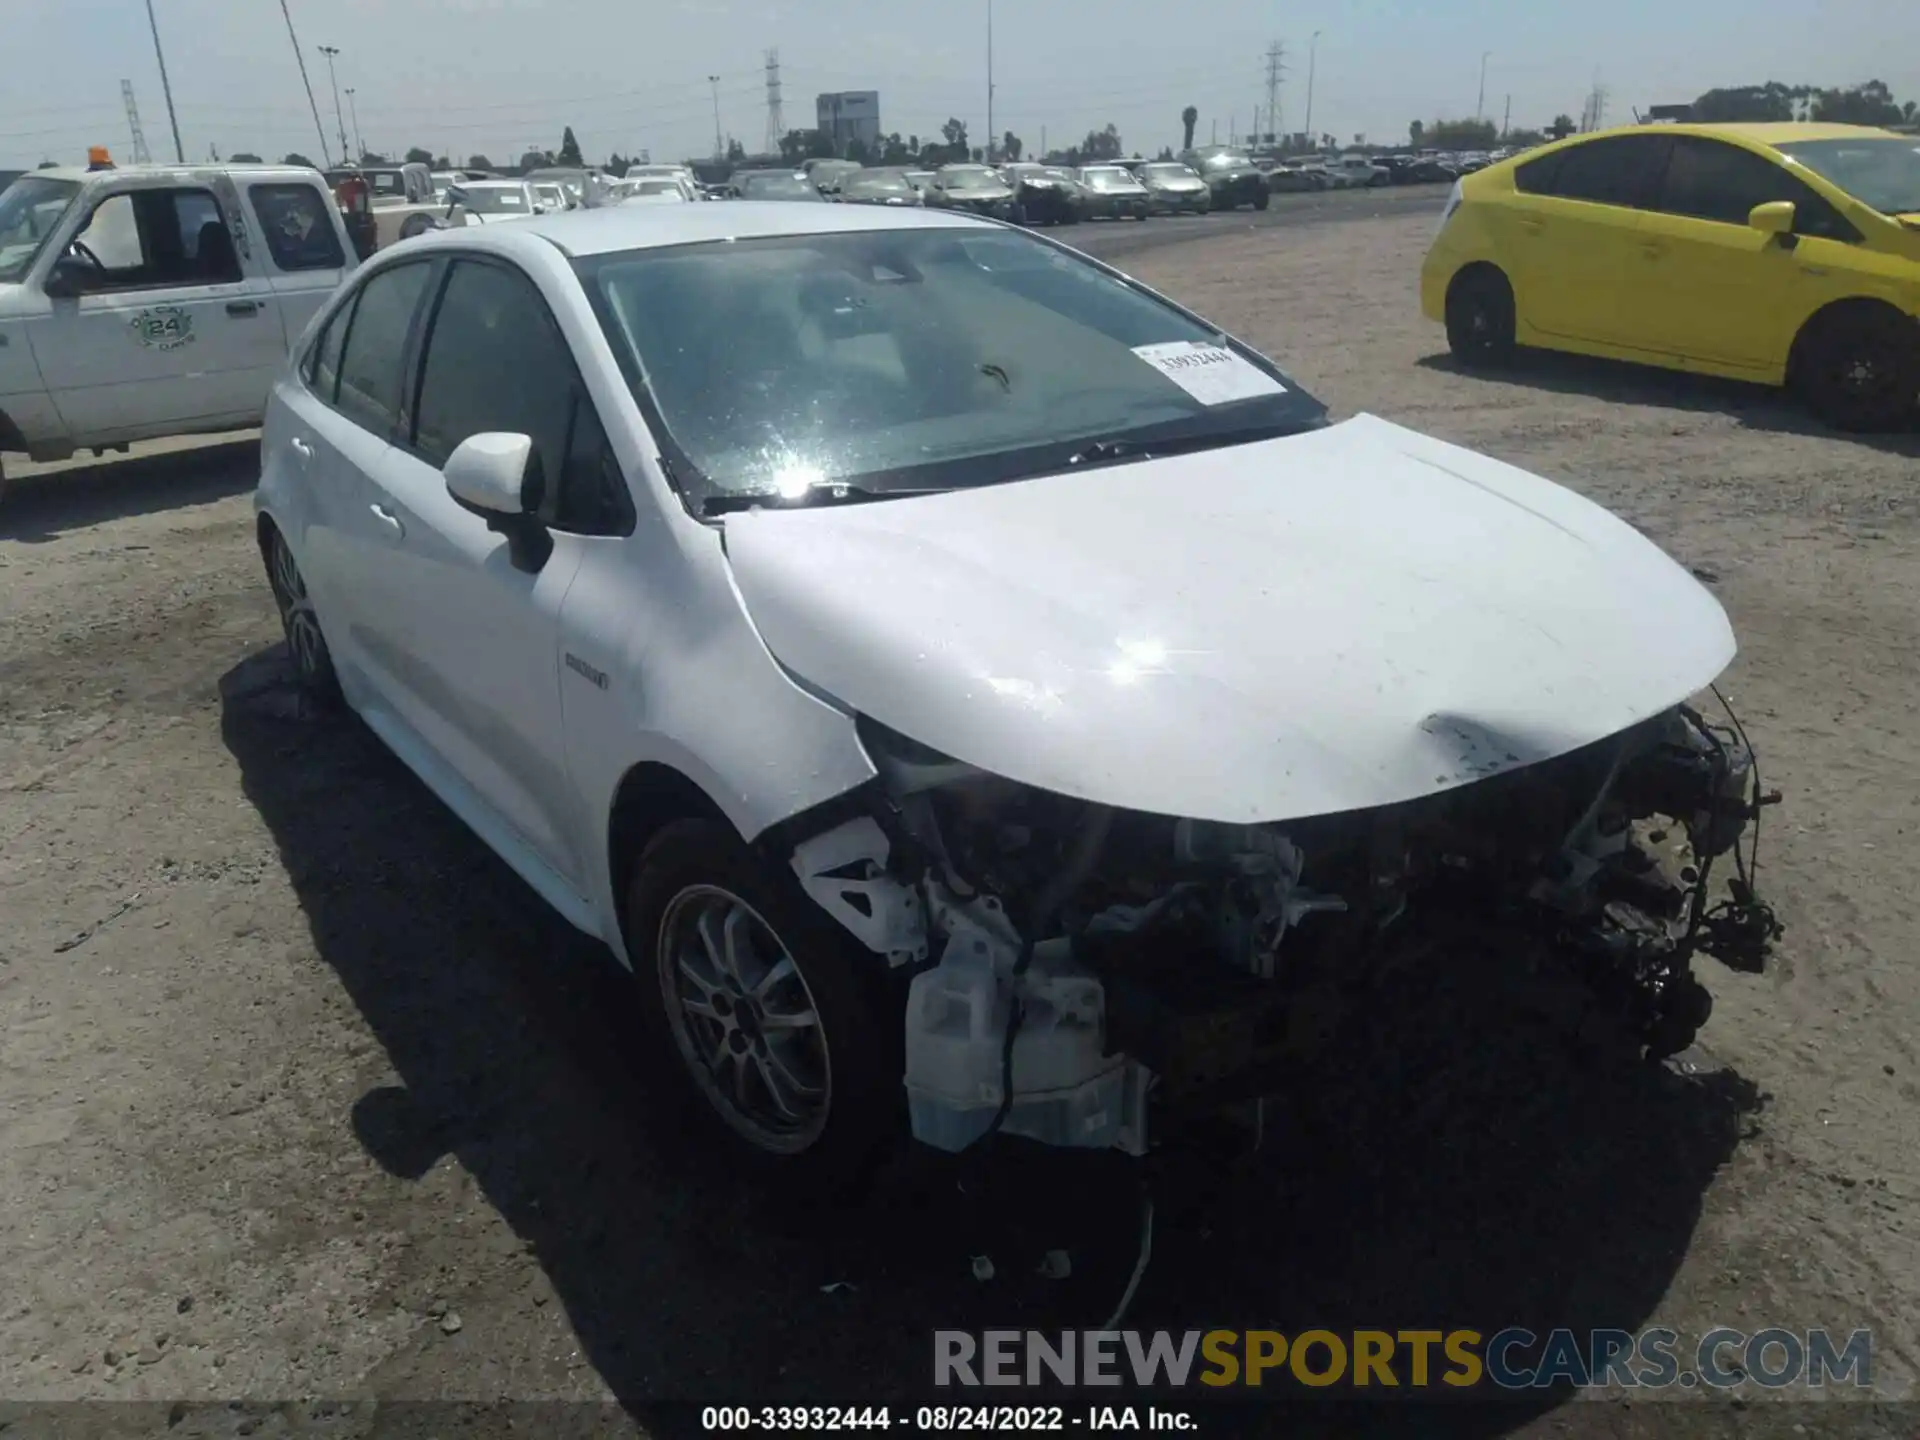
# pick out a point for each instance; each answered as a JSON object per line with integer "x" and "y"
{"x": 495, "y": 361}
{"x": 323, "y": 360}
{"x": 1711, "y": 180}
{"x": 374, "y": 357}
{"x": 1621, "y": 170}
{"x": 300, "y": 233}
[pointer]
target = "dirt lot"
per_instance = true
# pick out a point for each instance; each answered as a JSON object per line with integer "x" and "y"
{"x": 303, "y": 1095}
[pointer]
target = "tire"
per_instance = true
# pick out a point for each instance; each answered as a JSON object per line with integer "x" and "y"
{"x": 1480, "y": 317}
{"x": 415, "y": 225}
{"x": 819, "y": 1105}
{"x": 300, "y": 623}
{"x": 1859, "y": 369}
{"x": 1262, "y": 200}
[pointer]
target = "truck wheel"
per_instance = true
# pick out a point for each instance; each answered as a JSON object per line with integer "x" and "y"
{"x": 1858, "y": 369}
{"x": 758, "y": 998}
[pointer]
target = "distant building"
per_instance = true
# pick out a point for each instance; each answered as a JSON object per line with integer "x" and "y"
{"x": 849, "y": 115}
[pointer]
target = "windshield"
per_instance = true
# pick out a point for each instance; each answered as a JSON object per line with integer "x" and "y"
{"x": 1882, "y": 171}
{"x": 1110, "y": 180}
{"x": 971, "y": 178}
{"x": 778, "y": 187}
{"x": 1168, "y": 172}
{"x": 876, "y": 185}
{"x": 30, "y": 208}
{"x": 1226, "y": 162}
{"x": 908, "y": 359}
{"x": 657, "y": 187}
{"x": 503, "y": 201}
{"x": 1053, "y": 172}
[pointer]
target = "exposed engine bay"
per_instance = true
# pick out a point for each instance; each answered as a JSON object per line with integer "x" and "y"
{"x": 1074, "y": 967}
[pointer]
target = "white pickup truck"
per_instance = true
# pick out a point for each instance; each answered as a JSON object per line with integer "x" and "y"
{"x": 155, "y": 300}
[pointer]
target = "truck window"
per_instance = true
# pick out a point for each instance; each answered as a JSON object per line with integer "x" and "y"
{"x": 300, "y": 232}
{"x": 156, "y": 239}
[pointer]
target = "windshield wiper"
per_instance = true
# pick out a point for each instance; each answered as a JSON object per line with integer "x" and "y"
{"x": 830, "y": 492}
{"x": 1107, "y": 451}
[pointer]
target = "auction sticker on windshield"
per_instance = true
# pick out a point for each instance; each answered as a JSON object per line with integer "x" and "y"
{"x": 1212, "y": 374}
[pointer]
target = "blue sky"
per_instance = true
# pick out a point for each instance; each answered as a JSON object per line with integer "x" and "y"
{"x": 495, "y": 76}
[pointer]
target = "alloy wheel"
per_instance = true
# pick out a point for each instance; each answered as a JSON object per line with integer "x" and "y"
{"x": 297, "y": 615}
{"x": 744, "y": 1020}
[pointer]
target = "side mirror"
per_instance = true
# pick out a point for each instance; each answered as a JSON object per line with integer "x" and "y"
{"x": 497, "y": 476}
{"x": 68, "y": 278}
{"x": 1775, "y": 217}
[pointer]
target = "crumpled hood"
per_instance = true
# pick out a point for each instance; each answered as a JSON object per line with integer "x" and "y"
{"x": 1348, "y": 618}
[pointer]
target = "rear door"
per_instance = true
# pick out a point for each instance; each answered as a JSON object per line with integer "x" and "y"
{"x": 1719, "y": 290}
{"x": 1571, "y": 233}
{"x": 170, "y": 333}
{"x": 304, "y": 261}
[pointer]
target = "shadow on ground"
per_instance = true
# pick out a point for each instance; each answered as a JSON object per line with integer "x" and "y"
{"x": 47, "y": 504}
{"x": 1462, "y": 1158}
{"x": 1757, "y": 407}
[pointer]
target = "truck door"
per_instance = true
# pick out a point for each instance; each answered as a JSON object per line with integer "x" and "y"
{"x": 305, "y": 259}
{"x": 154, "y": 327}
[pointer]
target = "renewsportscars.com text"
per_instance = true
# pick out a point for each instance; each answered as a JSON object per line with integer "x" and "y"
{"x": 1438, "y": 1360}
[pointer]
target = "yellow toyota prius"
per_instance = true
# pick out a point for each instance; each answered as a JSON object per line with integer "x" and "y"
{"x": 1784, "y": 254}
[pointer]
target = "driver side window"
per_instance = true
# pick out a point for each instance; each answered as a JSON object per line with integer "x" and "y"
{"x": 156, "y": 239}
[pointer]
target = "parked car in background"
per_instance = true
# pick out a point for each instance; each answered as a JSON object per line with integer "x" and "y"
{"x": 1110, "y": 192}
{"x": 919, "y": 179}
{"x": 1787, "y": 254}
{"x": 827, "y": 175}
{"x": 1360, "y": 170}
{"x": 1293, "y": 177}
{"x": 660, "y": 188}
{"x": 1173, "y": 188}
{"x": 554, "y": 196}
{"x": 974, "y": 188}
{"x": 1043, "y": 194}
{"x": 877, "y": 187}
{"x": 485, "y": 202}
{"x": 401, "y": 198}
{"x": 1231, "y": 177}
{"x": 776, "y": 185}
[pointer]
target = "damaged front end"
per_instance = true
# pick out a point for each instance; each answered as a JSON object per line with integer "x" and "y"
{"x": 1075, "y": 967}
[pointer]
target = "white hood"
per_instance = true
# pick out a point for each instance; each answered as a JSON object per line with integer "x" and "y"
{"x": 1348, "y": 618}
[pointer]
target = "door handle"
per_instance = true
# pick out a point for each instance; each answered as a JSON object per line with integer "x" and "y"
{"x": 387, "y": 517}
{"x": 300, "y": 448}
{"x": 243, "y": 307}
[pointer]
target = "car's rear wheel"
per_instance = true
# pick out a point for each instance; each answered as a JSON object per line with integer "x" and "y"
{"x": 759, "y": 998}
{"x": 1480, "y": 316}
{"x": 1859, "y": 369}
{"x": 1263, "y": 199}
{"x": 300, "y": 622}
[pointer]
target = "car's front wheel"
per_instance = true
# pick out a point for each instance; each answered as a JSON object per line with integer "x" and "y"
{"x": 759, "y": 999}
{"x": 1859, "y": 369}
{"x": 1480, "y": 316}
{"x": 300, "y": 622}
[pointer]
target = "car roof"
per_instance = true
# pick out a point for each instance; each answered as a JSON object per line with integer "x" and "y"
{"x": 167, "y": 174}
{"x": 580, "y": 233}
{"x": 1770, "y": 132}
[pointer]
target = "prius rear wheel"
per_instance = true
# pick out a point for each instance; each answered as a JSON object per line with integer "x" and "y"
{"x": 1480, "y": 318}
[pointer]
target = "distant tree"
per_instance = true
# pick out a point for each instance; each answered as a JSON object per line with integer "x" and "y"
{"x": 736, "y": 152}
{"x": 1010, "y": 146}
{"x": 1102, "y": 144}
{"x": 48, "y": 165}
{"x": 1417, "y": 133}
{"x": 913, "y": 144}
{"x": 1523, "y": 139}
{"x": 1166, "y": 153}
{"x": 569, "y": 149}
{"x": 895, "y": 151}
{"x": 955, "y": 132}
{"x": 296, "y": 158}
{"x": 373, "y": 157}
{"x": 858, "y": 152}
{"x": 798, "y": 145}
{"x": 244, "y": 159}
{"x": 1868, "y": 104}
{"x": 618, "y": 165}
{"x": 1771, "y": 101}
{"x": 1189, "y": 118}
{"x": 534, "y": 159}
{"x": 479, "y": 162}
{"x": 1561, "y": 127}
{"x": 977, "y": 155}
{"x": 442, "y": 162}
{"x": 1462, "y": 134}
{"x": 418, "y": 156}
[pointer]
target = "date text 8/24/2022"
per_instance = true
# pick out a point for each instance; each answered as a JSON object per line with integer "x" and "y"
{"x": 928, "y": 1419}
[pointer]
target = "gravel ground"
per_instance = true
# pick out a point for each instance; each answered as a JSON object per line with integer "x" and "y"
{"x": 303, "y": 1096}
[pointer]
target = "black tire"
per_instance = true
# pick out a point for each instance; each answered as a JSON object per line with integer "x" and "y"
{"x": 415, "y": 225}
{"x": 300, "y": 623}
{"x": 691, "y": 863}
{"x": 1859, "y": 369}
{"x": 1480, "y": 317}
{"x": 1262, "y": 200}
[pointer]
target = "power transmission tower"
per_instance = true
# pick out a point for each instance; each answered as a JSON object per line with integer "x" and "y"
{"x": 140, "y": 154}
{"x": 776, "y": 126}
{"x": 1276, "y": 69}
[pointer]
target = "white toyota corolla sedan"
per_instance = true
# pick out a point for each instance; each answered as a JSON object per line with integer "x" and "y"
{"x": 972, "y": 693}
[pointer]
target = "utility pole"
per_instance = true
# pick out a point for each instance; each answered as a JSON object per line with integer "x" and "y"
{"x": 339, "y": 116}
{"x": 1480, "y": 105}
{"x": 989, "y": 150}
{"x": 1506, "y": 118}
{"x": 353, "y": 109}
{"x": 166, "y": 87}
{"x": 1276, "y": 67}
{"x": 300, "y": 59}
{"x": 719, "y": 145}
{"x": 139, "y": 136}
{"x": 1313, "y": 47}
{"x": 776, "y": 126}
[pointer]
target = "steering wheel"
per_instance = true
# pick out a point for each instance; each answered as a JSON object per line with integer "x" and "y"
{"x": 79, "y": 247}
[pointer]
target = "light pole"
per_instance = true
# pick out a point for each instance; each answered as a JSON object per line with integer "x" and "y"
{"x": 989, "y": 151}
{"x": 1480, "y": 105}
{"x": 719, "y": 146}
{"x": 353, "y": 109}
{"x": 1313, "y": 48}
{"x": 179, "y": 150}
{"x": 339, "y": 116}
